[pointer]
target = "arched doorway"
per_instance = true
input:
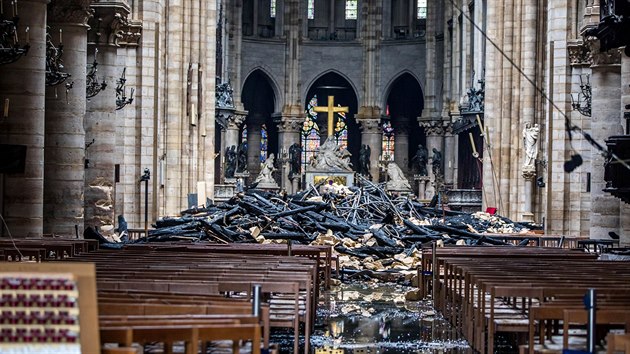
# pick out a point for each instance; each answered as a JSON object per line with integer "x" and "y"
{"x": 401, "y": 132}
{"x": 346, "y": 130}
{"x": 259, "y": 130}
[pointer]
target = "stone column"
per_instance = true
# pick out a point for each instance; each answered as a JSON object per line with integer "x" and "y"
{"x": 234, "y": 121}
{"x": 289, "y": 134}
{"x": 401, "y": 144}
{"x": 64, "y": 154}
{"x": 450, "y": 155}
{"x": 606, "y": 100}
{"x": 22, "y": 84}
{"x": 372, "y": 135}
{"x": 100, "y": 124}
{"x": 254, "y": 135}
{"x": 434, "y": 131}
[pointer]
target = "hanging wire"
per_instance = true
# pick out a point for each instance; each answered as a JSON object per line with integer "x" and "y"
{"x": 570, "y": 127}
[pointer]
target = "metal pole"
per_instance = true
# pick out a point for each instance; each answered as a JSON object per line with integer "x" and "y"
{"x": 434, "y": 271}
{"x": 590, "y": 302}
{"x": 289, "y": 243}
{"x": 146, "y": 208}
{"x": 256, "y": 300}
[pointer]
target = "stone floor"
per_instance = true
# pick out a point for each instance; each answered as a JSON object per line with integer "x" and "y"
{"x": 373, "y": 318}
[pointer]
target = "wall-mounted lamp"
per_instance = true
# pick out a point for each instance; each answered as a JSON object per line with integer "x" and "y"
{"x": 121, "y": 94}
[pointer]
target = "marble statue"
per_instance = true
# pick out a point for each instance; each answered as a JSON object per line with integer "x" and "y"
{"x": 224, "y": 94}
{"x": 397, "y": 180}
{"x": 330, "y": 157}
{"x": 530, "y": 137}
{"x": 266, "y": 172}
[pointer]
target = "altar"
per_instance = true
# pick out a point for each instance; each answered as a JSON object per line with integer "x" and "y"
{"x": 344, "y": 178}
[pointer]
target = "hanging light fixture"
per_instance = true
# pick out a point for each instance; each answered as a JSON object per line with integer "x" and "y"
{"x": 54, "y": 65}
{"x": 10, "y": 48}
{"x": 121, "y": 94}
{"x": 92, "y": 86}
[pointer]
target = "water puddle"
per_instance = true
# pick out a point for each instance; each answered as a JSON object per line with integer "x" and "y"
{"x": 360, "y": 318}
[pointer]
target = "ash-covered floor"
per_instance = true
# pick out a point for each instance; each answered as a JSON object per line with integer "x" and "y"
{"x": 375, "y": 318}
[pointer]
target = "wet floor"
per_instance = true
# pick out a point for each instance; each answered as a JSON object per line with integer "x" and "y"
{"x": 363, "y": 318}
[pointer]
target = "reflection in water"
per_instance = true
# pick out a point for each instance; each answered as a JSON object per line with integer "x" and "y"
{"x": 357, "y": 318}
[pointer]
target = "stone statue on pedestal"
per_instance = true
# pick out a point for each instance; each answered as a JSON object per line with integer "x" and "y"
{"x": 530, "y": 137}
{"x": 295, "y": 160}
{"x": 436, "y": 164}
{"x": 230, "y": 161}
{"x": 330, "y": 157}
{"x": 242, "y": 158}
{"x": 364, "y": 161}
{"x": 397, "y": 180}
{"x": 265, "y": 178}
{"x": 421, "y": 159}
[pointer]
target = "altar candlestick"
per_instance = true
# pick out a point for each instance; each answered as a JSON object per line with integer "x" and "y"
{"x": 6, "y": 108}
{"x": 16, "y": 11}
{"x": 1, "y": 7}
{"x": 12, "y": 9}
{"x": 27, "y": 35}
{"x": 60, "y": 36}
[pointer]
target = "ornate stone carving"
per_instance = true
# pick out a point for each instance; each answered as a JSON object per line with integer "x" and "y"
{"x": 69, "y": 11}
{"x": 529, "y": 172}
{"x": 235, "y": 121}
{"x": 290, "y": 125}
{"x": 611, "y": 57}
{"x": 579, "y": 53}
{"x": 370, "y": 125}
{"x": 224, "y": 95}
{"x": 433, "y": 127}
{"x": 397, "y": 180}
{"x": 124, "y": 32}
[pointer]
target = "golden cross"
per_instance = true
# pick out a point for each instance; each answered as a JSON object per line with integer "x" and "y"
{"x": 331, "y": 110}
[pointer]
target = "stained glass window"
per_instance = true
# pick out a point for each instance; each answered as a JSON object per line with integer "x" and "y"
{"x": 310, "y": 133}
{"x": 263, "y": 143}
{"x": 311, "y": 9}
{"x": 388, "y": 142}
{"x": 341, "y": 130}
{"x": 351, "y": 9}
{"x": 422, "y": 9}
{"x": 272, "y": 8}
{"x": 244, "y": 134}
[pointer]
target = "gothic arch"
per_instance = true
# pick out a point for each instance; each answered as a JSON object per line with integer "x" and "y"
{"x": 308, "y": 86}
{"x": 394, "y": 79}
{"x": 273, "y": 83}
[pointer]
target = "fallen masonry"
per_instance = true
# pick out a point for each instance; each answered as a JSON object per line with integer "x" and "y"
{"x": 375, "y": 234}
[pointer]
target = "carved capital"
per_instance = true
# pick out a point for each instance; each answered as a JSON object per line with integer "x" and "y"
{"x": 125, "y": 32}
{"x": 611, "y": 57}
{"x": 579, "y": 53}
{"x": 290, "y": 125}
{"x": 529, "y": 172}
{"x": 433, "y": 127}
{"x": 370, "y": 125}
{"x": 235, "y": 121}
{"x": 69, "y": 11}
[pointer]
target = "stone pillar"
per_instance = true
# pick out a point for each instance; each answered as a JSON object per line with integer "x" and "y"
{"x": 606, "y": 100}
{"x": 434, "y": 131}
{"x": 401, "y": 144}
{"x": 289, "y": 134}
{"x": 22, "y": 83}
{"x": 234, "y": 124}
{"x": 372, "y": 135}
{"x": 450, "y": 156}
{"x": 100, "y": 126}
{"x": 254, "y": 135}
{"x": 64, "y": 154}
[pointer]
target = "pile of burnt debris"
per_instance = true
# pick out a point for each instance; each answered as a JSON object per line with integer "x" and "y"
{"x": 369, "y": 228}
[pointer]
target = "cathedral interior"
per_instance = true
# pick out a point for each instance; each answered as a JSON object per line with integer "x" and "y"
{"x": 118, "y": 114}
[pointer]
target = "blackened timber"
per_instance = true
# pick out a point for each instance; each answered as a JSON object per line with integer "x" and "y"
{"x": 294, "y": 211}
